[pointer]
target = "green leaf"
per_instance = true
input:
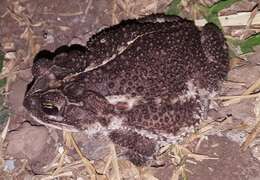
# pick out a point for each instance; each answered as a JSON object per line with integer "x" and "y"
{"x": 1, "y": 60}
{"x": 211, "y": 13}
{"x": 247, "y": 45}
{"x": 2, "y": 82}
{"x": 174, "y": 8}
{"x": 4, "y": 114}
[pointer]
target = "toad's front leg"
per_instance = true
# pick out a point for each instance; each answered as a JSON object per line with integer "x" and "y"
{"x": 140, "y": 148}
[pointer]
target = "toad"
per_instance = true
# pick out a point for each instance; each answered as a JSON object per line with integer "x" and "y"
{"x": 139, "y": 82}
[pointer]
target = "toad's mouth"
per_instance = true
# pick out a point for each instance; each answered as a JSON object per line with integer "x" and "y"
{"x": 56, "y": 125}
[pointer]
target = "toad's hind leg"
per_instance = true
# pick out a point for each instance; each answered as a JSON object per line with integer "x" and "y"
{"x": 140, "y": 148}
{"x": 216, "y": 52}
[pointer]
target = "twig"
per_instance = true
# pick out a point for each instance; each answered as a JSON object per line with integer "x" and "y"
{"x": 239, "y": 19}
{"x": 237, "y": 97}
{"x": 256, "y": 130}
{"x": 249, "y": 22}
{"x": 115, "y": 162}
{"x": 251, "y": 89}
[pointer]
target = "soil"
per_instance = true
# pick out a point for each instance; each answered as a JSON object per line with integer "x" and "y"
{"x": 32, "y": 151}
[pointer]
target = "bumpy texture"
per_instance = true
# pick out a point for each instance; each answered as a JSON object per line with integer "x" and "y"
{"x": 138, "y": 82}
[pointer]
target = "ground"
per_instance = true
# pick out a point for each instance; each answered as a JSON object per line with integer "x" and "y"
{"x": 29, "y": 151}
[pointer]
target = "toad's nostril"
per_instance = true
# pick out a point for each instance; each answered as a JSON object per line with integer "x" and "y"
{"x": 29, "y": 103}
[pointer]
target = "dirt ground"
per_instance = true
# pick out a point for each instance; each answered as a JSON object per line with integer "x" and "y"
{"x": 32, "y": 151}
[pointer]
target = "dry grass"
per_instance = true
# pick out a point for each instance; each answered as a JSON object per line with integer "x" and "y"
{"x": 2, "y": 139}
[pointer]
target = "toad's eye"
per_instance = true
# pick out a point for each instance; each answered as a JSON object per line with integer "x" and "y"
{"x": 50, "y": 108}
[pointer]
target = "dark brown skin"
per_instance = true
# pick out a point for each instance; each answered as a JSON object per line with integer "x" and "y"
{"x": 142, "y": 59}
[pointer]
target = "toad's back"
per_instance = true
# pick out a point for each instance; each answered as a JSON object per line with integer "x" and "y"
{"x": 169, "y": 66}
{"x": 154, "y": 59}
